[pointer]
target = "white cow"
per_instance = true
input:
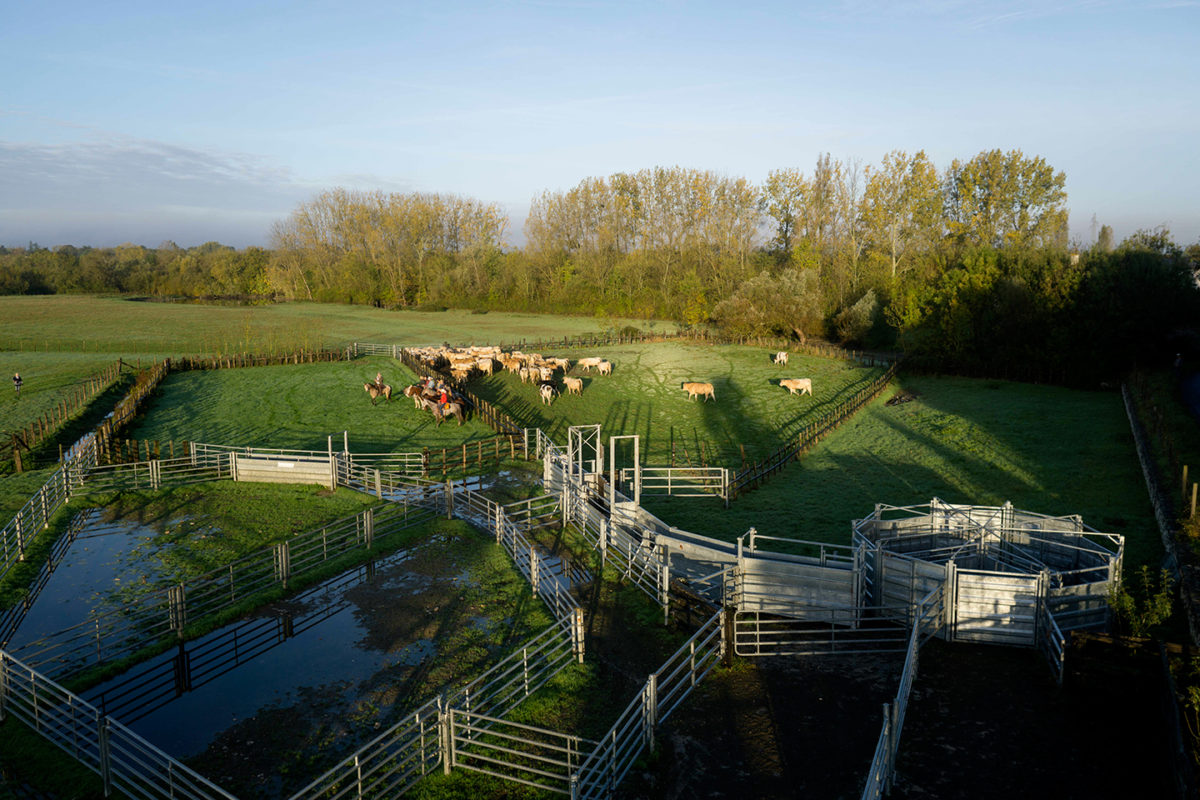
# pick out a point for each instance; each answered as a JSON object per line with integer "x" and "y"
{"x": 781, "y": 357}
{"x": 797, "y": 385}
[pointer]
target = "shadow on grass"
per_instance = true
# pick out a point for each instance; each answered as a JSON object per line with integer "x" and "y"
{"x": 46, "y": 452}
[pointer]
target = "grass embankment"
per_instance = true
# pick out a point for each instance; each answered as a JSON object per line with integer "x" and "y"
{"x": 114, "y": 325}
{"x": 643, "y": 396}
{"x": 1048, "y": 450}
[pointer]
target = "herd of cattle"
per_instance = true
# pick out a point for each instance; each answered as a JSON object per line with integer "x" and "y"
{"x": 464, "y": 362}
{"x": 532, "y": 368}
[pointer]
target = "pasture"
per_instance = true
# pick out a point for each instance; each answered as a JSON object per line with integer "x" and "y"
{"x": 298, "y": 407}
{"x": 115, "y": 325}
{"x": 642, "y": 396}
{"x": 1045, "y": 449}
{"x": 47, "y": 377}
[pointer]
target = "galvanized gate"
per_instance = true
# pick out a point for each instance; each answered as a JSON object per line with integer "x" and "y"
{"x": 995, "y": 607}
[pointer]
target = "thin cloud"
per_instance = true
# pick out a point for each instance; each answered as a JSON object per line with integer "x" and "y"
{"x": 149, "y": 189}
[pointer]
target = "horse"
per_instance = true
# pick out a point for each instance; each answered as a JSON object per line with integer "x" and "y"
{"x": 454, "y": 408}
{"x": 376, "y": 391}
{"x": 417, "y": 393}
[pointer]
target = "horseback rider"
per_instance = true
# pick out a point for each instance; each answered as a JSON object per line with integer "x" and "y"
{"x": 443, "y": 400}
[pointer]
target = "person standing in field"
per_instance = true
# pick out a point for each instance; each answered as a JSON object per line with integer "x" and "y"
{"x": 17, "y": 382}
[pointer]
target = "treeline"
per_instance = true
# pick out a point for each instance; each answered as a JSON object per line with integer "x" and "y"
{"x": 967, "y": 268}
{"x": 209, "y": 270}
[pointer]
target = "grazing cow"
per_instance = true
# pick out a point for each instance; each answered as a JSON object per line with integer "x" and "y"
{"x": 574, "y": 385}
{"x": 781, "y": 357}
{"x": 604, "y": 368}
{"x": 797, "y": 385}
{"x": 547, "y": 391}
{"x": 586, "y": 364}
{"x": 704, "y": 390}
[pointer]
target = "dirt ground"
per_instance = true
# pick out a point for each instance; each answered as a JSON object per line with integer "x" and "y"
{"x": 989, "y": 722}
{"x": 983, "y": 722}
{"x": 773, "y": 728}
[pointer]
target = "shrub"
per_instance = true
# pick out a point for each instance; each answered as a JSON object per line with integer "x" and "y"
{"x": 1138, "y": 609}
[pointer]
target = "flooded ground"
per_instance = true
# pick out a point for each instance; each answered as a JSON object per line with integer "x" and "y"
{"x": 107, "y": 559}
{"x": 267, "y": 703}
{"x": 264, "y": 705}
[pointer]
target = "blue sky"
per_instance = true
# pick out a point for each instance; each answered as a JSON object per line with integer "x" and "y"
{"x": 211, "y": 120}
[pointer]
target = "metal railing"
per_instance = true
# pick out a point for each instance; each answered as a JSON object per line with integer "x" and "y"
{"x": 166, "y": 611}
{"x": 1052, "y": 642}
{"x": 820, "y": 631}
{"x": 124, "y": 761}
{"x": 634, "y": 730}
{"x": 392, "y": 762}
{"x": 10, "y": 618}
{"x": 926, "y": 622}
{"x": 525, "y": 754}
{"x": 34, "y": 517}
{"x": 679, "y": 481}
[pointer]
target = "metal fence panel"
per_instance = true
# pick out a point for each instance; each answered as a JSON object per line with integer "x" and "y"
{"x": 537, "y": 757}
{"x": 1000, "y": 608}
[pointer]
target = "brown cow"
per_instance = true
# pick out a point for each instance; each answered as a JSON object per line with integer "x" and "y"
{"x": 699, "y": 390}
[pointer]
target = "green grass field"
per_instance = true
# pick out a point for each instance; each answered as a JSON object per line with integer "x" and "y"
{"x": 643, "y": 396}
{"x": 1045, "y": 449}
{"x": 89, "y": 324}
{"x": 298, "y": 407}
{"x": 48, "y": 377}
{"x": 1048, "y": 450}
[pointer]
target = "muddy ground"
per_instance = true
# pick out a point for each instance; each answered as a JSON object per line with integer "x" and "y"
{"x": 984, "y": 722}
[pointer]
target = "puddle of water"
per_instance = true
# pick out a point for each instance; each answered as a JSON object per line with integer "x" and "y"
{"x": 314, "y": 654}
{"x": 98, "y": 567}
